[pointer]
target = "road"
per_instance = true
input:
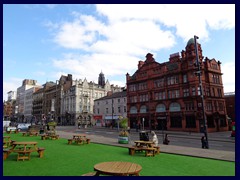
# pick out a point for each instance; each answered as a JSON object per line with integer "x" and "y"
{"x": 217, "y": 140}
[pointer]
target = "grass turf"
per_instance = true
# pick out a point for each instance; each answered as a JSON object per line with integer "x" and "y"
{"x": 61, "y": 159}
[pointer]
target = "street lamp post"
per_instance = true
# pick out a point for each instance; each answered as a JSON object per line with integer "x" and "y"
{"x": 201, "y": 91}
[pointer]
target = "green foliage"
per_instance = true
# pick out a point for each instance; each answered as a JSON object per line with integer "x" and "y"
{"x": 124, "y": 123}
{"x": 52, "y": 123}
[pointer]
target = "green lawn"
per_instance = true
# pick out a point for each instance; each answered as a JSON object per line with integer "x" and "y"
{"x": 61, "y": 159}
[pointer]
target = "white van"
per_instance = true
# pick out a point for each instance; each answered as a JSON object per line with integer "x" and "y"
{"x": 6, "y": 124}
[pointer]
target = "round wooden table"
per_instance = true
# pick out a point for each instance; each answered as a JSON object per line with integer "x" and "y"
{"x": 118, "y": 168}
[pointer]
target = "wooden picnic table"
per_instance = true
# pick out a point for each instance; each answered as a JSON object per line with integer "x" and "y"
{"x": 139, "y": 144}
{"x": 24, "y": 149}
{"x": 147, "y": 146}
{"x": 6, "y": 141}
{"x": 79, "y": 139}
{"x": 118, "y": 168}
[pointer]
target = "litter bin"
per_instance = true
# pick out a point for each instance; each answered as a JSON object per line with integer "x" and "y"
{"x": 143, "y": 135}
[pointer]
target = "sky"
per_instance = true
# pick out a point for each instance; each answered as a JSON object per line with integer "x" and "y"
{"x": 44, "y": 41}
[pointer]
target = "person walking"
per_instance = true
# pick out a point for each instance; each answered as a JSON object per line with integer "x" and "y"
{"x": 166, "y": 140}
{"x": 204, "y": 142}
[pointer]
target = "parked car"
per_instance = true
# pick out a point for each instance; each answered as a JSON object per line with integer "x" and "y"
{"x": 23, "y": 126}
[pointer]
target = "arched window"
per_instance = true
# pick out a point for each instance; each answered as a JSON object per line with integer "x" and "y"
{"x": 133, "y": 110}
{"x": 143, "y": 109}
{"x": 160, "y": 108}
{"x": 174, "y": 107}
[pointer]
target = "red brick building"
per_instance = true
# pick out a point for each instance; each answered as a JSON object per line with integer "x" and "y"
{"x": 230, "y": 105}
{"x": 167, "y": 95}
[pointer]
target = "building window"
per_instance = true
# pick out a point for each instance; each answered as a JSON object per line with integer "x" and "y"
{"x": 207, "y": 91}
{"x": 193, "y": 91}
{"x": 215, "y": 79}
{"x": 160, "y": 108}
{"x": 190, "y": 122}
{"x": 185, "y": 92}
{"x": 210, "y": 122}
{"x": 173, "y": 94}
{"x": 172, "y": 80}
{"x": 159, "y": 83}
{"x": 219, "y": 92}
{"x": 133, "y": 110}
{"x": 174, "y": 107}
{"x": 98, "y": 111}
{"x": 125, "y": 109}
{"x": 189, "y": 106}
{"x": 220, "y": 106}
{"x": 213, "y": 92}
{"x": 119, "y": 109}
{"x": 132, "y": 87}
{"x": 208, "y": 106}
{"x": 176, "y": 121}
{"x": 106, "y": 110}
{"x": 185, "y": 78}
{"x": 143, "y": 109}
{"x": 143, "y": 98}
{"x": 160, "y": 95}
{"x": 118, "y": 100}
{"x": 133, "y": 99}
{"x": 142, "y": 86}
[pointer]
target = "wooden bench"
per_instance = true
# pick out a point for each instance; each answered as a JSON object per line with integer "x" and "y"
{"x": 33, "y": 133}
{"x": 22, "y": 155}
{"x": 88, "y": 141}
{"x": 43, "y": 136}
{"x": 89, "y": 174}
{"x": 54, "y": 137}
{"x": 41, "y": 151}
{"x": 133, "y": 149}
{"x": 6, "y": 153}
{"x": 149, "y": 151}
{"x": 157, "y": 149}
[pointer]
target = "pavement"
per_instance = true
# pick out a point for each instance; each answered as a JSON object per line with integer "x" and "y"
{"x": 68, "y": 131}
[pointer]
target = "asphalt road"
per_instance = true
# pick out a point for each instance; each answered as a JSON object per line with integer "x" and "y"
{"x": 217, "y": 141}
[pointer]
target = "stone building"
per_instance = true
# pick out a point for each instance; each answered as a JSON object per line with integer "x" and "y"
{"x": 166, "y": 96}
{"x": 109, "y": 109}
{"x": 77, "y": 102}
{"x": 20, "y": 99}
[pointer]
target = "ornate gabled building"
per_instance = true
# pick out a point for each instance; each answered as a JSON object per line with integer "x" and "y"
{"x": 77, "y": 102}
{"x": 166, "y": 96}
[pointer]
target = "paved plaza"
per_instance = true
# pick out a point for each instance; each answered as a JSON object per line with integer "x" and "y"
{"x": 67, "y": 132}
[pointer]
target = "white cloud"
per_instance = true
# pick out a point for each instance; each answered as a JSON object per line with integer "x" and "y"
{"x": 128, "y": 32}
{"x": 228, "y": 70}
{"x": 110, "y": 64}
{"x": 11, "y": 85}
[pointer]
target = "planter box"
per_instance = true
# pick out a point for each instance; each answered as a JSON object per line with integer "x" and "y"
{"x": 122, "y": 140}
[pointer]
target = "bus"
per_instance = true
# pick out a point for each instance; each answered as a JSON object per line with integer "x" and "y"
{"x": 233, "y": 129}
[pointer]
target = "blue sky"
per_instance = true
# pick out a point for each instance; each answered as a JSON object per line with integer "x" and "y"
{"x": 43, "y": 42}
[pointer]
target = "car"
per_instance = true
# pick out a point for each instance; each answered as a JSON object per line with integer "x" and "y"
{"x": 23, "y": 126}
